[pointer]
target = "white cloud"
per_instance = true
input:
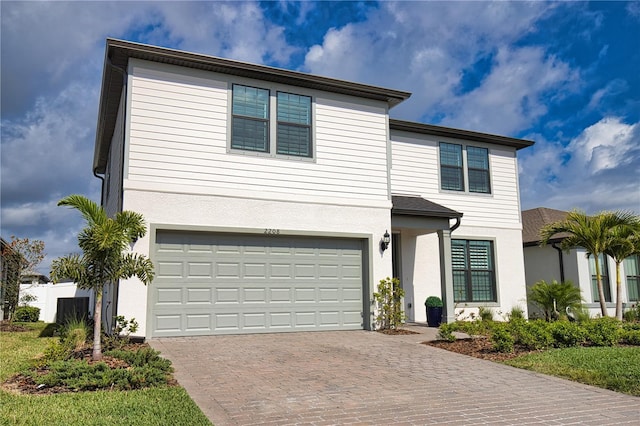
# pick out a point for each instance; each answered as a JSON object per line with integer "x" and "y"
{"x": 426, "y": 47}
{"x": 514, "y": 94}
{"x": 597, "y": 170}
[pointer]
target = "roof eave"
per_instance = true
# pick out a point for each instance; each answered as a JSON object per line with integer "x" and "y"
{"x": 429, "y": 129}
{"x": 119, "y": 52}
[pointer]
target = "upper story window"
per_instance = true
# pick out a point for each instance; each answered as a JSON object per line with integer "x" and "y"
{"x": 294, "y": 125}
{"x": 250, "y": 110}
{"x": 252, "y": 128}
{"x": 453, "y": 174}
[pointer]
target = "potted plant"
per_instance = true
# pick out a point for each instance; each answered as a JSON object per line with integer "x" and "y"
{"x": 434, "y": 311}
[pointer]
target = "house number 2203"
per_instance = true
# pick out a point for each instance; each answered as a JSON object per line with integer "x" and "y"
{"x": 270, "y": 231}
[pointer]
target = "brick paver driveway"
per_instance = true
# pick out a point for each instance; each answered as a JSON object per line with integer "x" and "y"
{"x": 360, "y": 377}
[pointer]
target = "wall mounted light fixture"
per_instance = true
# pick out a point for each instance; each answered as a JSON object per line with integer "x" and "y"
{"x": 386, "y": 239}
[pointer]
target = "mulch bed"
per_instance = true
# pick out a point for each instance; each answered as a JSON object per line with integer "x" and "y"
{"x": 479, "y": 347}
{"x": 6, "y": 326}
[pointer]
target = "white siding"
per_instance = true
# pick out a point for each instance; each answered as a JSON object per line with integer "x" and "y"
{"x": 415, "y": 172}
{"x": 178, "y": 135}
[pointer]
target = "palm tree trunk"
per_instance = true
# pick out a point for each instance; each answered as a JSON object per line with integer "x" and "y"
{"x": 618, "y": 293}
{"x": 603, "y": 302}
{"x": 97, "y": 326}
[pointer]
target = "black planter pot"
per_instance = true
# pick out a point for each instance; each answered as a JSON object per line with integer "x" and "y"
{"x": 434, "y": 316}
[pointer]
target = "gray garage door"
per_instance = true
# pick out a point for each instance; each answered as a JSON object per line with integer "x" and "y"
{"x": 234, "y": 284}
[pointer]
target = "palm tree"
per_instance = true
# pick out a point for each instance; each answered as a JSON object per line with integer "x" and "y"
{"x": 555, "y": 298}
{"x": 590, "y": 232}
{"x": 105, "y": 258}
{"x": 624, "y": 241}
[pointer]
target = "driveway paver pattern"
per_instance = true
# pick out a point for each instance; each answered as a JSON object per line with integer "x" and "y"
{"x": 368, "y": 378}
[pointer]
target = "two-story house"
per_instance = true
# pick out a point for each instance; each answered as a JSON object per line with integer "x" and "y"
{"x": 550, "y": 263}
{"x": 269, "y": 195}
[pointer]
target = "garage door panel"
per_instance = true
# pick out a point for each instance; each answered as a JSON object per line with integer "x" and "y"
{"x": 231, "y": 284}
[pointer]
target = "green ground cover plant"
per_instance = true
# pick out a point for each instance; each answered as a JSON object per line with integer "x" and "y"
{"x": 614, "y": 368}
{"x": 162, "y": 404}
{"x": 601, "y": 352}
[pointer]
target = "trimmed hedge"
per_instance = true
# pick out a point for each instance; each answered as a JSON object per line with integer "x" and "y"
{"x": 26, "y": 314}
{"x": 539, "y": 334}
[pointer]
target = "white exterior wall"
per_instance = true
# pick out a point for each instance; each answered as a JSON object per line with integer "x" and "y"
{"x": 496, "y": 216}
{"x": 541, "y": 263}
{"x": 214, "y": 213}
{"x": 47, "y": 297}
{"x": 180, "y": 173}
{"x": 179, "y": 135}
{"x": 421, "y": 274}
{"x": 415, "y": 171}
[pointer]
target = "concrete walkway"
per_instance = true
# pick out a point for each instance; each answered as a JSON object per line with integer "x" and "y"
{"x": 367, "y": 378}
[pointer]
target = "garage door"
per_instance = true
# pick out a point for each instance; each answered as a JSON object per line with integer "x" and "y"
{"x": 234, "y": 284}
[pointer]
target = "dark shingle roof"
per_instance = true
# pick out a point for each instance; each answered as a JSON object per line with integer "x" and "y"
{"x": 417, "y": 206}
{"x": 535, "y": 219}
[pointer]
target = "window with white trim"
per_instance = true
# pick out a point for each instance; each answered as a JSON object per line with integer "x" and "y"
{"x": 632, "y": 274}
{"x": 474, "y": 277}
{"x": 453, "y": 173}
{"x": 604, "y": 274}
{"x": 252, "y": 128}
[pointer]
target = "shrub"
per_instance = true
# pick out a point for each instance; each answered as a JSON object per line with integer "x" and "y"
{"x": 516, "y": 313}
{"x": 630, "y": 336}
{"x": 567, "y": 334}
{"x": 75, "y": 333}
{"x": 145, "y": 369}
{"x": 142, "y": 357}
{"x": 603, "y": 331}
{"x": 445, "y": 332}
{"x": 433, "y": 302}
{"x": 533, "y": 335}
{"x": 502, "y": 338}
{"x": 26, "y": 314}
{"x": 485, "y": 314}
{"x": 389, "y": 302}
{"x": 555, "y": 298}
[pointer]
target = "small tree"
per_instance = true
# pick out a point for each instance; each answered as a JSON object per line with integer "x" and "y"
{"x": 555, "y": 298}
{"x": 19, "y": 255}
{"x": 624, "y": 241}
{"x": 105, "y": 255}
{"x": 590, "y": 232}
{"x": 389, "y": 303}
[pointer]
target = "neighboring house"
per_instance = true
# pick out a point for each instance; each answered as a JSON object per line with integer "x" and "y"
{"x": 268, "y": 194}
{"x": 55, "y": 299}
{"x": 33, "y": 277}
{"x": 551, "y": 263}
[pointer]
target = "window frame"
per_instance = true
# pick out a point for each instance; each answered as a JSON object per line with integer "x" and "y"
{"x": 292, "y": 124}
{"x": 468, "y": 276}
{"x": 467, "y": 170}
{"x": 604, "y": 273}
{"x": 272, "y": 122}
{"x": 635, "y": 258}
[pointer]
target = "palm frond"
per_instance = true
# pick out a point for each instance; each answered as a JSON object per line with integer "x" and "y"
{"x": 91, "y": 212}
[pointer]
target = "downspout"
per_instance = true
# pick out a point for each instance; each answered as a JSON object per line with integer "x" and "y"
{"x": 560, "y": 261}
{"x": 456, "y": 225}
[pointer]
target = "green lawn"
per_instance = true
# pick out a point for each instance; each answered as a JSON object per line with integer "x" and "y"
{"x": 154, "y": 406}
{"x": 615, "y": 368}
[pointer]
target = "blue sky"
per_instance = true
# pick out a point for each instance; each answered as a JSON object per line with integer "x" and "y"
{"x": 564, "y": 74}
